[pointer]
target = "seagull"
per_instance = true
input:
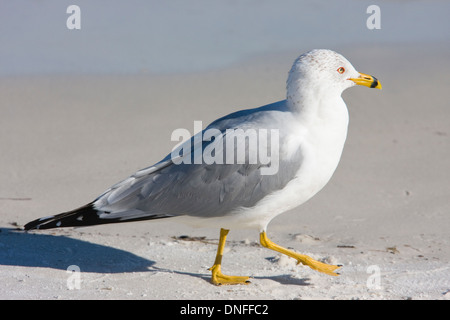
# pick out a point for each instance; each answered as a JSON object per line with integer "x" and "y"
{"x": 207, "y": 183}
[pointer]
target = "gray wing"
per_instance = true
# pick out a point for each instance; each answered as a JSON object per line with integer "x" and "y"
{"x": 178, "y": 185}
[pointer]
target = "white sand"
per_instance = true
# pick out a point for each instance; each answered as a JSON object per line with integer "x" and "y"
{"x": 64, "y": 140}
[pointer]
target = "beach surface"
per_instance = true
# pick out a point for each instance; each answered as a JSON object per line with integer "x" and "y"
{"x": 384, "y": 215}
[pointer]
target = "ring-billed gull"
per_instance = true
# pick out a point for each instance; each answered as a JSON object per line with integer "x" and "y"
{"x": 310, "y": 127}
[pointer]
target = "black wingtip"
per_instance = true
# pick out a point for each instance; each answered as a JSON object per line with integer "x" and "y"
{"x": 84, "y": 216}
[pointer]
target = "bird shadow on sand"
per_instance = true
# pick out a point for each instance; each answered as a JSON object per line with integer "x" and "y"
{"x": 19, "y": 248}
{"x": 287, "y": 279}
{"x": 284, "y": 279}
{"x": 26, "y": 249}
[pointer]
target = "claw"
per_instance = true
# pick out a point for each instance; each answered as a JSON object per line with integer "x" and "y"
{"x": 218, "y": 278}
{"x": 301, "y": 258}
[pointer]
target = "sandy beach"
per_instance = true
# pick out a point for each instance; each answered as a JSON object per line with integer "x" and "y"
{"x": 384, "y": 216}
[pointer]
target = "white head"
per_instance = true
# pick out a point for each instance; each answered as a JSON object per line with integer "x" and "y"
{"x": 324, "y": 72}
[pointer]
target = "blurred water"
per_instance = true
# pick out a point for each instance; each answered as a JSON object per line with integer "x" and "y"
{"x": 139, "y": 36}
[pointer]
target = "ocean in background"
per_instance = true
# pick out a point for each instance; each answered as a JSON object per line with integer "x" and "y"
{"x": 160, "y": 37}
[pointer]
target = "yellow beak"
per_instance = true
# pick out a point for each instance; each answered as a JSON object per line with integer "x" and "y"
{"x": 366, "y": 80}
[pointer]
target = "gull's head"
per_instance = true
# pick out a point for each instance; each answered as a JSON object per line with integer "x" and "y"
{"x": 325, "y": 72}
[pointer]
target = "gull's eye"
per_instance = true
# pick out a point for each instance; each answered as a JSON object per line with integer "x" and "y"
{"x": 341, "y": 70}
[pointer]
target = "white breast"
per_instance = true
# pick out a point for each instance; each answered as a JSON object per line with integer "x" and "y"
{"x": 321, "y": 141}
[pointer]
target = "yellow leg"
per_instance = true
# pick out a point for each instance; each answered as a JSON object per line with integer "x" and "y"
{"x": 301, "y": 258}
{"x": 217, "y": 277}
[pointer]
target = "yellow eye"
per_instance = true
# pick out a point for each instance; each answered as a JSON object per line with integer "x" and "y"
{"x": 341, "y": 70}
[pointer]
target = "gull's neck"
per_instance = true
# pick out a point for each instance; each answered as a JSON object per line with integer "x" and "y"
{"x": 306, "y": 101}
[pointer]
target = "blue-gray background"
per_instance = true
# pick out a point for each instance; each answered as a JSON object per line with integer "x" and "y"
{"x": 139, "y": 36}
